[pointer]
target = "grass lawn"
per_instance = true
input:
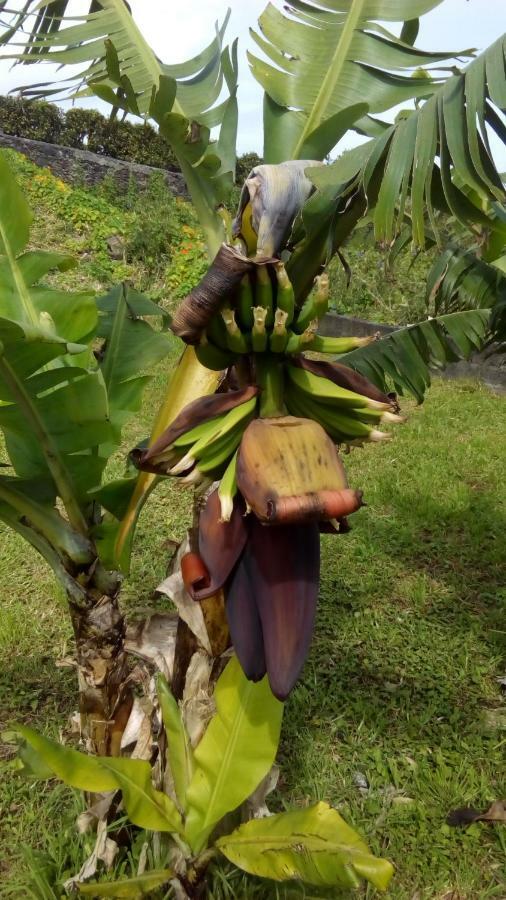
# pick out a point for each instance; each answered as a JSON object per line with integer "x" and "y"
{"x": 399, "y": 716}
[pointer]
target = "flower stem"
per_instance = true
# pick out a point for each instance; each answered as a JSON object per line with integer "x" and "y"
{"x": 270, "y": 378}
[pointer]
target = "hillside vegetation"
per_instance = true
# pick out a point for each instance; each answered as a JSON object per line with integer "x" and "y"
{"x": 161, "y": 249}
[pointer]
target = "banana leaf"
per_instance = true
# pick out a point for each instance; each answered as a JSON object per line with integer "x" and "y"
{"x": 404, "y": 359}
{"x": 313, "y": 845}
{"x": 237, "y": 750}
{"x": 318, "y": 64}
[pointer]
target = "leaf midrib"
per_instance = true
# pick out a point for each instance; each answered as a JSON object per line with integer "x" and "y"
{"x": 150, "y": 800}
{"x": 339, "y": 58}
{"x": 208, "y": 821}
{"x": 19, "y": 282}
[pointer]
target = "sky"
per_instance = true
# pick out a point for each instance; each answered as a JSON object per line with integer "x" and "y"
{"x": 177, "y": 29}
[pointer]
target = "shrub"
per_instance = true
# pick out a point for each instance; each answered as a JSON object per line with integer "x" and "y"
{"x": 86, "y": 129}
{"x": 32, "y": 119}
{"x": 245, "y": 164}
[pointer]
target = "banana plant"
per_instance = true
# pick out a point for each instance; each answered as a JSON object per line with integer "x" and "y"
{"x": 251, "y": 420}
{"x": 197, "y": 817}
{"x": 70, "y": 377}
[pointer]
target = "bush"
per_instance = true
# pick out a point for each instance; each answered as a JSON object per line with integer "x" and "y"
{"x": 36, "y": 120}
{"x": 245, "y": 164}
{"x": 86, "y": 129}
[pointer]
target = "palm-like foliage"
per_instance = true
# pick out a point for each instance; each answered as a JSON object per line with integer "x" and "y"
{"x": 332, "y": 68}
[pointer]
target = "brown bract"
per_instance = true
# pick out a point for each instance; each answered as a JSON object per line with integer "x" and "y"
{"x": 344, "y": 377}
{"x": 199, "y": 306}
{"x": 155, "y": 458}
{"x": 288, "y": 470}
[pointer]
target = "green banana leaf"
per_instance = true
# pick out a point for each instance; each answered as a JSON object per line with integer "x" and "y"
{"x": 236, "y": 752}
{"x": 131, "y": 346}
{"x": 451, "y": 126}
{"x": 314, "y": 845}
{"x": 33, "y": 500}
{"x": 61, "y": 411}
{"x": 179, "y": 750}
{"x": 404, "y": 358}
{"x": 139, "y": 886}
{"x": 322, "y": 62}
{"x": 145, "y": 806}
{"x": 460, "y": 280}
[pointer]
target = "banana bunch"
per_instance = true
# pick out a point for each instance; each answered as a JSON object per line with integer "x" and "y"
{"x": 261, "y": 316}
{"x": 347, "y": 416}
{"x": 202, "y": 442}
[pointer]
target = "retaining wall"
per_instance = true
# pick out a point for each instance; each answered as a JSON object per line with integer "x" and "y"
{"x": 84, "y": 168}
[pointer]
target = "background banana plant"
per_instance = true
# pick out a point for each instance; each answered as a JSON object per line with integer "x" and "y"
{"x": 325, "y": 68}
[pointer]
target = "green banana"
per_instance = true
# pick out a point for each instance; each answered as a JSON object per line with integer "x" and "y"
{"x": 245, "y": 304}
{"x": 222, "y": 451}
{"x": 195, "y": 434}
{"x": 337, "y": 423}
{"x": 217, "y": 333}
{"x": 315, "y": 306}
{"x": 236, "y": 341}
{"x": 325, "y": 390}
{"x": 298, "y": 342}
{"x": 338, "y": 345}
{"x": 258, "y": 332}
{"x": 285, "y": 298}
{"x": 264, "y": 294}
{"x": 213, "y": 357}
{"x": 228, "y": 489}
{"x": 209, "y": 442}
{"x": 279, "y": 336}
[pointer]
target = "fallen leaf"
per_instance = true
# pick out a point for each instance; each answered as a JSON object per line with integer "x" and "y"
{"x": 466, "y": 815}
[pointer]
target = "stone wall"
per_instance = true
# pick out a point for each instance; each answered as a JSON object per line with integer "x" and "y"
{"x": 488, "y": 366}
{"x": 81, "y": 167}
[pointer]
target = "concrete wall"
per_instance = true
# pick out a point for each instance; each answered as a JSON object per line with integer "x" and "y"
{"x": 488, "y": 366}
{"x": 81, "y": 167}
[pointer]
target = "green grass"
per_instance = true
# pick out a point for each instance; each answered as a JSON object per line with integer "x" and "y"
{"x": 400, "y": 687}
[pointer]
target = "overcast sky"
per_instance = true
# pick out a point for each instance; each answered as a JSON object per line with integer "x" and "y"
{"x": 177, "y": 29}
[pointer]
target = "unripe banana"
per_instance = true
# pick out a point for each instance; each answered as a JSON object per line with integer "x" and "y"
{"x": 324, "y": 391}
{"x": 245, "y": 304}
{"x": 338, "y": 345}
{"x": 220, "y": 454}
{"x": 217, "y": 333}
{"x": 210, "y": 442}
{"x": 264, "y": 295}
{"x": 315, "y": 306}
{"x": 279, "y": 336}
{"x": 212, "y": 357}
{"x": 298, "y": 342}
{"x": 258, "y": 332}
{"x": 236, "y": 340}
{"x": 338, "y": 424}
{"x": 228, "y": 489}
{"x": 285, "y": 298}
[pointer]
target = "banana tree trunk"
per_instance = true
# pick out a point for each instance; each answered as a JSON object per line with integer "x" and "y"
{"x": 105, "y": 697}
